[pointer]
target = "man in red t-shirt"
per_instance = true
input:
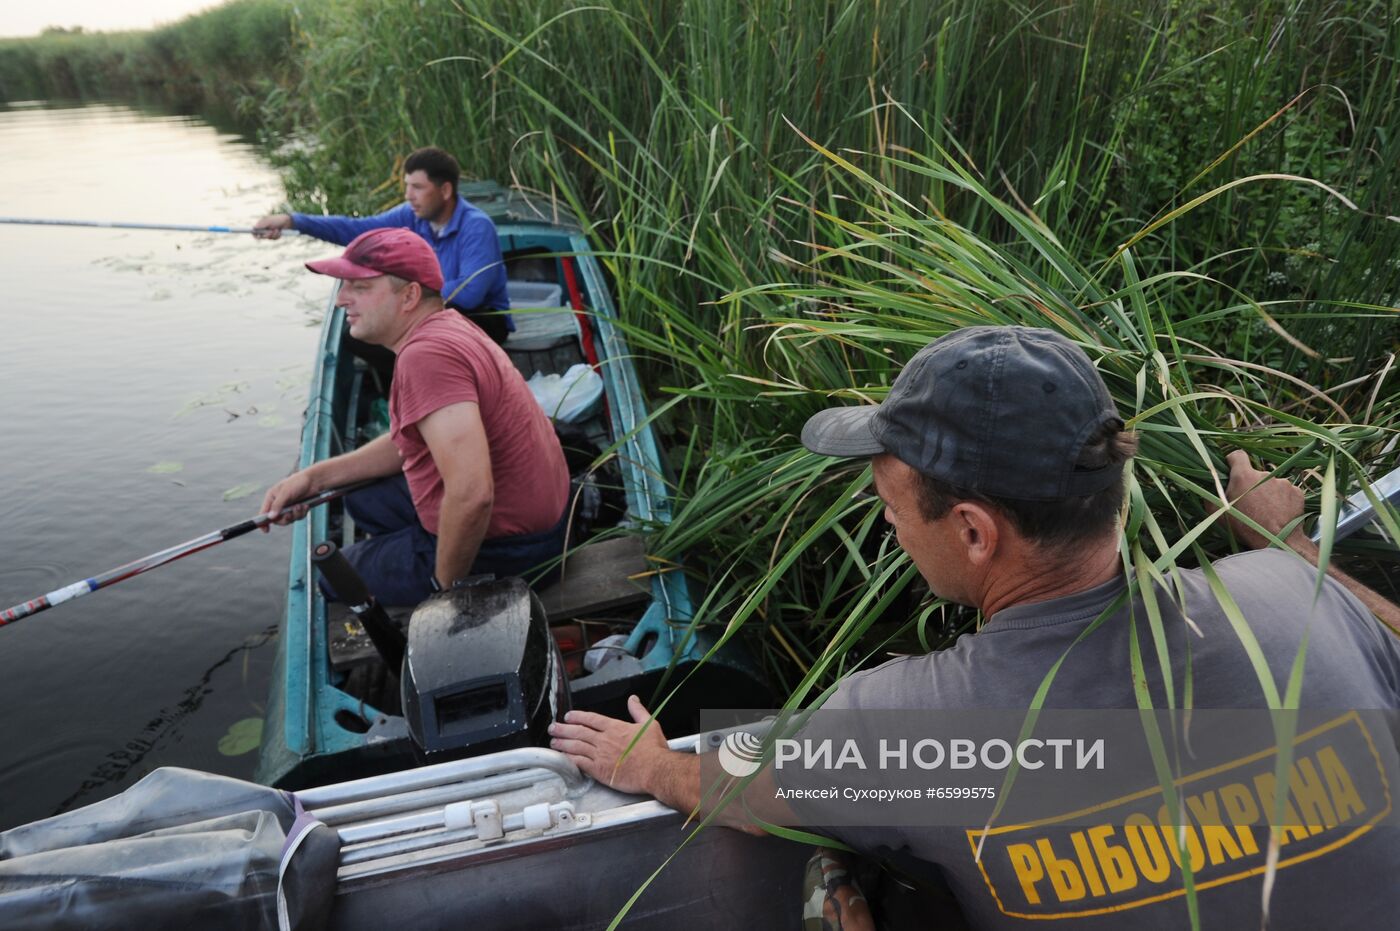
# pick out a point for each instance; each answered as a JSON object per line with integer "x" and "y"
{"x": 474, "y": 477}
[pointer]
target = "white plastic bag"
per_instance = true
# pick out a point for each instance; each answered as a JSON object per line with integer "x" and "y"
{"x": 570, "y": 397}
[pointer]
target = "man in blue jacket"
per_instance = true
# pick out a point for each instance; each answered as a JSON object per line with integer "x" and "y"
{"x": 462, "y": 236}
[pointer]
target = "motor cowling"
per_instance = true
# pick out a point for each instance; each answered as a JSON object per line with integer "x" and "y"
{"x": 482, "y": 672}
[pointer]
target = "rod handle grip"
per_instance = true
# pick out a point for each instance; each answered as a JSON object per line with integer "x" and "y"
{"x": 389, "y": 641}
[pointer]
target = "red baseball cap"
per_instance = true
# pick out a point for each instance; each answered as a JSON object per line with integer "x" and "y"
{"x": 387, "y": 251}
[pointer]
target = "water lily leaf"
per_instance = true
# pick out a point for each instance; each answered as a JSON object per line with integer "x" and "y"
{"x": 193, "y": 404}
{"x": 242, "y": 737}
{"x": 219, "y": 397}
{"x": 166, "y": 468}
{"x": 241, "y": 491}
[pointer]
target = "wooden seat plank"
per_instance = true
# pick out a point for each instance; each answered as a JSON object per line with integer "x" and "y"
{"x": 599, "y": 577}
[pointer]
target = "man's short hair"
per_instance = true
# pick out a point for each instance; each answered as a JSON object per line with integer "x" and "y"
{"x": 439, "y": 166}
{"x": 398, "y": 284}
{"x": 1056, "y": 523}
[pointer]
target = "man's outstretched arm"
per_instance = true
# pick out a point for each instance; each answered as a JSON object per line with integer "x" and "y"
{"x": 598, "y": 745}
{"x": 335, "y": 229}
{"x": 1274, "y": 505}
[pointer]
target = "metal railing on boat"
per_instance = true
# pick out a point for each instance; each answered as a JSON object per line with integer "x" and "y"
{"x": 431, "y": 807}
{"x": 455, "y": 771}
{"x": 1358, "y": 511}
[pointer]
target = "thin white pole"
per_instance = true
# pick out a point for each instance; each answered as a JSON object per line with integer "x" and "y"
{"x": 118, "y": 225}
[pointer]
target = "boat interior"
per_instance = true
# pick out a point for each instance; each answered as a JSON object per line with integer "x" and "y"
{"x": 621, "y": 621}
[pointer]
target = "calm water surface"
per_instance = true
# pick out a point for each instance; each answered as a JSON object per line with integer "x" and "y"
{"x": 151, "y": 386}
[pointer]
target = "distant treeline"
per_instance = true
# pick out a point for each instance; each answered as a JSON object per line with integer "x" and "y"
{"x": 231, "y": 57}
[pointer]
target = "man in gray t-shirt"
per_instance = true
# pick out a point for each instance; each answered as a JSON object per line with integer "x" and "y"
{"x": 1352, "y": 662}
{"x": 999, "y": 456}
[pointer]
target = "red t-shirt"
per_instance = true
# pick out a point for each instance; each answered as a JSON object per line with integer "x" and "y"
{"x": 447, "y": 360}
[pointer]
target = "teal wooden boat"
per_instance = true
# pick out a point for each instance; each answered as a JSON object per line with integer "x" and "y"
{"x": 333, "y": 712}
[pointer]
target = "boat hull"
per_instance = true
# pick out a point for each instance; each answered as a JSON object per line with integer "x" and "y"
{"x": 718, "y": 879}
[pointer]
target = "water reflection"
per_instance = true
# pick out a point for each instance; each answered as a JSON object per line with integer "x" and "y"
{"x": 156, "y": 109}
{"x": 150, "y": 380}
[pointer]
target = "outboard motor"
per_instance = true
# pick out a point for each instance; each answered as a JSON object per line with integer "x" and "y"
{"x": 482, "y": 671}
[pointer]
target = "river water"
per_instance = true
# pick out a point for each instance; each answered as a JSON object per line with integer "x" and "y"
{"x": 152, "y": 384}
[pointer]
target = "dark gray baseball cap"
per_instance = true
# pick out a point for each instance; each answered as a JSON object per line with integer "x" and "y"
{"x": 1003, "y": 411}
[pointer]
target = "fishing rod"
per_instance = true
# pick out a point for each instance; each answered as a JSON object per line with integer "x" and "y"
{"x": 156, "y": 560}
{"x": 119, "y": 225}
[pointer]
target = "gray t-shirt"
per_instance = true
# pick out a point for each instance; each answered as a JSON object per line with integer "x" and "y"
{"x": 1342, "y": 879}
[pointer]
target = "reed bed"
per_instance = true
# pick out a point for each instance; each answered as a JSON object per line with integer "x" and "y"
{"x": 791, "y": 198}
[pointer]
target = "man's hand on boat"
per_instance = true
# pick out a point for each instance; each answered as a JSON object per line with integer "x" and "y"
{"x": 1276, "y": 505}
{"x": 599, "y": 746}
{"x": 272, "y": 225}
{"x": 610, "y": 751}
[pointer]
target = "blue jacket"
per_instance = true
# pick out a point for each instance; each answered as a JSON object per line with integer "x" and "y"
{"x": 473, "y": 272}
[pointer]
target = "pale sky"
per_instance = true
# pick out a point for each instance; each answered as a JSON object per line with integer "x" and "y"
{"x": 19, "y": 18}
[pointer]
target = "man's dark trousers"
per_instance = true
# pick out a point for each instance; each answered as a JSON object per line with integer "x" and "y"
{"x": 398, "y": 560}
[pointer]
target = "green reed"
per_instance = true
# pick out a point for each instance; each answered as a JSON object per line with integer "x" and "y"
{"x": 791, "y": 198}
